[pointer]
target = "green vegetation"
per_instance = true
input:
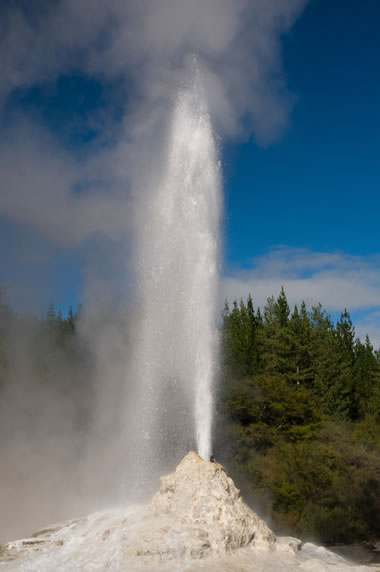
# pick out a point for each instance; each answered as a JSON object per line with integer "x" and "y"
{"x": 299, "y": 419}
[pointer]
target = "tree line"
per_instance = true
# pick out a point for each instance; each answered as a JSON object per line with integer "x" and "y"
{"x": 299, "y": 418}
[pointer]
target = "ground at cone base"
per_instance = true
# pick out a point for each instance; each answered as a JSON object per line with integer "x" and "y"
{"x": 196, "y": 521}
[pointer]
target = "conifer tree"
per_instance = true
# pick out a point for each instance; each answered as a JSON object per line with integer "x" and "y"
{"x": 346, "y": 335}
{"x": 325, "y": 361}
{"x": 299, "y": 332}
{"x": 365, "y": 379}
{"x": 269, "y": 354}
{"x": 281, "y": 309}
{"x": 70, "y": 320}
{"x": 232, "y": 338}
{"x": 343, "y": 392}
{"x": 252, "y": 349}
{"x": 276, "y": 346}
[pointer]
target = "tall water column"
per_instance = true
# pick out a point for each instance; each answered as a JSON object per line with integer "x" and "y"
{"x": 177, "y": 270}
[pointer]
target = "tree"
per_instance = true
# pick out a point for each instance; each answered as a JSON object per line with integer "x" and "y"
{"x": 299, "y": 335}
{"x": 281, "y": 309}
{"x": 276, "y": 342}
{"x": 70, "y": 320}
{"x": 325, "y": 362}
{"x": 239, "y": 331}
{"x": 346, "y": 336}
{"x": 365, "y": 379}
{"x": 303, "y": 424}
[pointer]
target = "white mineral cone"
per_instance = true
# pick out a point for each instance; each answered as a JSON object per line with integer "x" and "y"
{"x": 199, "y": 494}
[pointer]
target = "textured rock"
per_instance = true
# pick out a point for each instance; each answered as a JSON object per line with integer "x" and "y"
{"x": 200, "y": 495}
{"x": 197, "y": 513}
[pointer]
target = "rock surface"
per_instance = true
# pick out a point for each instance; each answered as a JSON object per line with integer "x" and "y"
{"x": 200, "y": 496}
{"x": 196, "y": 521}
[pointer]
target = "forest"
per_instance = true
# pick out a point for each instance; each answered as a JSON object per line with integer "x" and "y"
{"x": 299, "y": 419}
{"x": 298, "y": 408}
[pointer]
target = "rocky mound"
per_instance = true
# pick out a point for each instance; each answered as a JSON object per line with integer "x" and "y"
{"x": 198, "y": 512}
{"x": 199, "y": 495}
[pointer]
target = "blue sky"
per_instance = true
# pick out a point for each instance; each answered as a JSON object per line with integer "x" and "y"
{"x": 301, "y": 202}
{"x": 318, "y": 186}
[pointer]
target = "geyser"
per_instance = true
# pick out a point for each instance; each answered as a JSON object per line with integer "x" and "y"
{"x": 177, "y": 275}
{"x": 196, "y": 521}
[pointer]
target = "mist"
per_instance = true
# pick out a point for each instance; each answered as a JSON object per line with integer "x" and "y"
{"x": 63, "y": 441}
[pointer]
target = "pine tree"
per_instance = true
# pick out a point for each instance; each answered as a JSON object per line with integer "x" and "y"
{"x": 276, "y": 340}
{"x": 365, "y": 379}
{"x": 232, "y": 339}
{"x": 251, "y": 326}
{"x": 343, "y": 393}
{"x": 70, "y": 320}
{"x": 325, "y": 361}
{"x": 259, "y": 341}
{"x": 239, "y": 329}
{"x": 281, "y": 309}
{"x": 269, "y": 341}
{"x": 299, "y": 334}
{"x": 346, "y": 336}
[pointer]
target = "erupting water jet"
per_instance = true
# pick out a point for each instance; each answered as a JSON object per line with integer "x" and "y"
{"x": 177, "y": 270}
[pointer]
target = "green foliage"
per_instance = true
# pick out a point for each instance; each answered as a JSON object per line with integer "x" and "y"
{"x": 300, "y": 418}
{"x": 269, "y": 400}
{"x": 239, "y": 327}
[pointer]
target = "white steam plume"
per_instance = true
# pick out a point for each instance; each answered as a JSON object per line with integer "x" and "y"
{"x": 177, "y": 270}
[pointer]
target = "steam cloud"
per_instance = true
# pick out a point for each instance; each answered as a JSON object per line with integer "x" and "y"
{"x": 85, "y": 200}
{"x": 146, "y": 46}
